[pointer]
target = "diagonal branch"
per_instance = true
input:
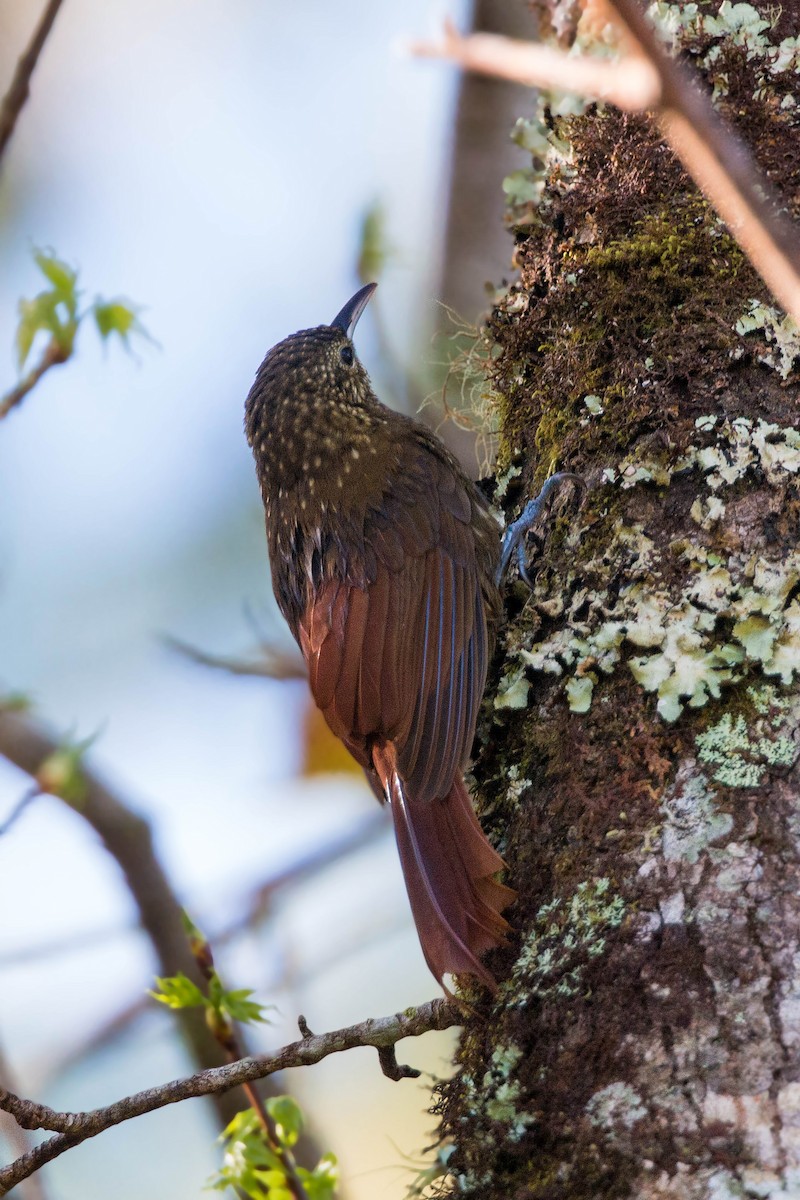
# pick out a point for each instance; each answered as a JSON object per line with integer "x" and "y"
{"x": 648, "y": 79}
{"x": 721, "y": 165}
{"x": 19, "y": 89}
{"x": 71, "y": 1129}
{"x": 53, "y": 356}
{"x": 127, "y": 837}
{"x": 632, "y": 85}
{"x": 272, "y": 663}
{"x": 16, "y": 1137}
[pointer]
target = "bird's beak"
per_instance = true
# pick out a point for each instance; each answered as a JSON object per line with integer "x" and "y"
{"x": 347, "y": 319}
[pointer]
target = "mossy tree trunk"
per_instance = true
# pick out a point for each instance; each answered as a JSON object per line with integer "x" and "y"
{"x": 637, "y": 755}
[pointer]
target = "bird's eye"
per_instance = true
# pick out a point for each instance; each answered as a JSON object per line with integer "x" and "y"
{"x": 346, "y": 355}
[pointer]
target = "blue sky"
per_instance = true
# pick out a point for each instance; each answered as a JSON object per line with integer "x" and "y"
{"x": 212, "y": 162}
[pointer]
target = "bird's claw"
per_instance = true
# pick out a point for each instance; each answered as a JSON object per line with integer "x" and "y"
{"x": 514, "y": 538}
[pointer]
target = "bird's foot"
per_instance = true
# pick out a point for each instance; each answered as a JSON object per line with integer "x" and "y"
{"x": 514, "y": 538}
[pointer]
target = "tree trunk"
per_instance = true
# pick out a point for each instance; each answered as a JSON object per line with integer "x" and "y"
{"x": 475, "y": 245}
{"x": 636, "y": 758}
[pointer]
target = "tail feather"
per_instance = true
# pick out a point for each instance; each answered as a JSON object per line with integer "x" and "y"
{"x": 448, "y": 866}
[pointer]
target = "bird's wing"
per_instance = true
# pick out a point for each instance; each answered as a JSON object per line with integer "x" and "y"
{"x": 403, "y": 658}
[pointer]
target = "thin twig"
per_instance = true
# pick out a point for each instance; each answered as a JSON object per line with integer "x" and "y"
{"x": 127, "y": 837}
{"x": 53, "y": 356}
{"x": 19, "y": 808}
{"x": 19, "y": 90}
{"x": 281, "y": 1151}
{"x": 719, "y": 162}
{"x": 228, "y": 1037}
{"x": 254, "y": 908}
{"x": 272, "y": 664}
{"x": 73, "y": 1128}
{"x": 632, "y": 84}
{"x": 721, "y": 165}
{"x": 18, "y": 1138}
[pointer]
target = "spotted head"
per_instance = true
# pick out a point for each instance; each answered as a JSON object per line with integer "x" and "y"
{"x": 311, "y": 377}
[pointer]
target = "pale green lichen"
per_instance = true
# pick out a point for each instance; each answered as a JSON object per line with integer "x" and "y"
{"x": 684, "y": 671}
{"x": 516, "y": 785}
{"x": 707, "y": 512}
{"x": 562, "y": 931}
{"x": 502, "y": 1092}
{"x": 498, "y": 1094}
{"x": 615, "y": 1106}
{"x": 550, "y": 153}
{"x": 504, "y": 479}
{"x": 740, "y": 752}
{"x": 741, "y": 445}
{"x": 579, "y": 692}
{"x": 513, "y": 690}
{"x": 734, "y": 615}
{"x": 722, "y": 1185}
{"x": 733, "y": 25}
{"x": 779, "y": 331}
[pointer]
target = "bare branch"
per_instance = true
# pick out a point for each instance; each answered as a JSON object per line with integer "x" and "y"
{"x": 632, "y": 85}
{"x": 17, "y": 1137}
{"x": 17, "y": 93}
{"x": 718, "y": 161}
{"x": 127, "y": 837}
{"x": 721, "y": 165}
{"x": 53, "y": 356}
{"x": 74, "y": 1128}
{"x": 229, "y": 1038}
{"x": 272, "y": 664}
{"x": 256, "y": 909}
{"x": 392, "y": 1069}
{"x": 27, "y": 798}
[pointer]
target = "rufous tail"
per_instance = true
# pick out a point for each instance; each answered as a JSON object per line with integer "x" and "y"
{"x": 448, "y": 866}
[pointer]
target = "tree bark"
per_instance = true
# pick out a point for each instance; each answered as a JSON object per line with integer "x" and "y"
{"x": 636, "y": 760}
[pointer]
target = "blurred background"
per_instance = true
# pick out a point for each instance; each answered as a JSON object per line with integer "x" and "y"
{"x": 223, "y": 165}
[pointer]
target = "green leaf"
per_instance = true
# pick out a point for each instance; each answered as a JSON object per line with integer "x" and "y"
{"x": 322, "y": 1182}
{"x": 29, "y": 325}
{"x": 234, "y": 1005}
{"x": 288, "y": 1117}
{"x": 177, "y": 991}
{"x": 190, "y": 929}
{"x": 120, "y": 317}
{"x": 41, "y": 315}
{"x": 240, "y": 1008}
{"x": 61, "y": 275}
{"x": 54, "y": 311}
{"x": 251, "y": 1165}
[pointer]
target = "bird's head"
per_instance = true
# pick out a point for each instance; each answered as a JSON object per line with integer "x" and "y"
{"x": 315, "y": 369}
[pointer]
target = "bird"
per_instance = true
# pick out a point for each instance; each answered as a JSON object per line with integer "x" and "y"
{"x": 384, "y": 560}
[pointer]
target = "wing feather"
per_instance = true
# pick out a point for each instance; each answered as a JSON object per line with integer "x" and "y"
{"x": 403, "y": 658}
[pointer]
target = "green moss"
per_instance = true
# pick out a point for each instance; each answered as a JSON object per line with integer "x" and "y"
{"x": 596, "y": 335}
